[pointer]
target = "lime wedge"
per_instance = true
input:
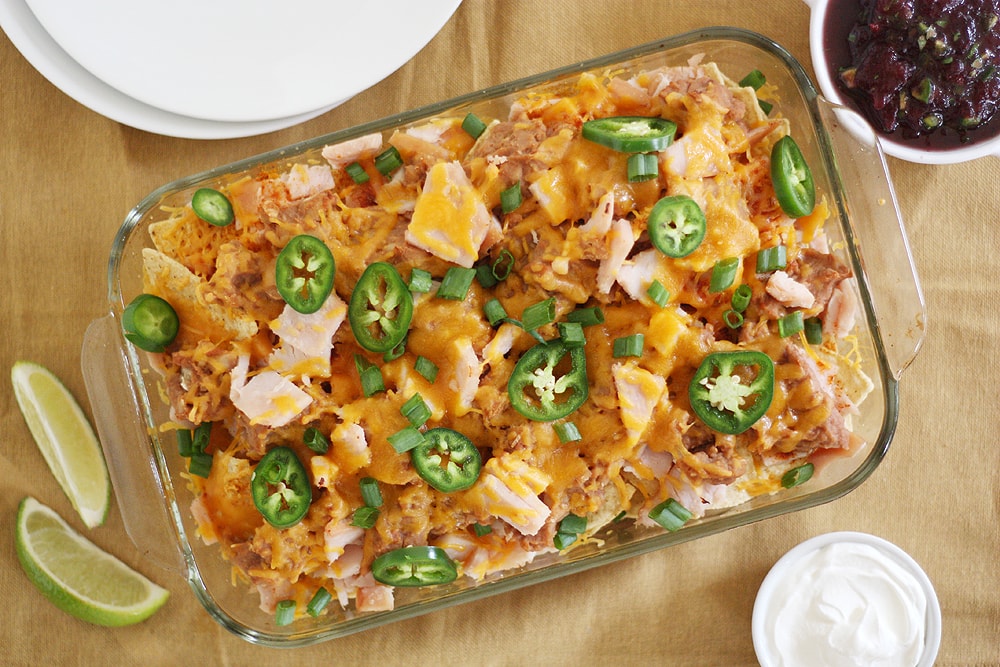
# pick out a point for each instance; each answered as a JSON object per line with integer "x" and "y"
{"x": 65, "y": 438}
{"x": 77, "y": 576}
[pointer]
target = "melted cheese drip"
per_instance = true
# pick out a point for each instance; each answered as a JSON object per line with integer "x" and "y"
{"x": 450, "y": 219}
{"x": 579, "y": 235}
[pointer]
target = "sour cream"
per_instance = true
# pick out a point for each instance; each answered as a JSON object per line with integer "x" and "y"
{"x": 846, "y": 599}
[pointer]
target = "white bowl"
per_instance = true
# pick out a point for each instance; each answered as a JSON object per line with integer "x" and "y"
{"x": 790, "y": 570}
{"x": 901, "y": 150}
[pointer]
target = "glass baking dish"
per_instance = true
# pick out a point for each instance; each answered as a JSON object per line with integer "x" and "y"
{"x": 866, "y": 229}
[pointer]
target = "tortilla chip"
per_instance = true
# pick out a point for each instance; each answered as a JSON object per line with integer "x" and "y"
{"x": 168, "y": 278}
{"x": 191, "y": 241}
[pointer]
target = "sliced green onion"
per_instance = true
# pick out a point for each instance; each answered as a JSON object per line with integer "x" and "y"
{"x": 798, "y": 475}
{"x": 388, "y": 161}
{"x": 371, "y": 381}
{"x": 562, "y": 540}
{"x": 791, "y": 323}
{"x": 484, "y": 274}
{"x": 642, "y": 167}
{"x": 456, "y": 283}
{"x": 284, "y": 612}
{"x": 371, "y": 376}
{"x": 365, "y": 517}
{"x": 572, "y": 334}
{"x": 723, "y": 274}
{"x": 568, "y": 530}
{"x": 503, "y": 265}
{"x": 427, "y": 368}
{"x": 415, "y": 410}
{"x": 510, "y": 199}
{"x": 193, "y": 444}
{"x": 754, "y": 79}
{"x": 659, "y": 294}
{"x": 357, "y": 173}
{"x": 370, "y": 493}
{"x": 421, "y": 281}
{"x": 670, "y": 514}
{"x": 184, "y": 443}
{"x": 405, "y": 439}
{"x": 733, "y": 319}
{"x": 200, "y": 464}
{"x": 494, "y": 311}
{"x": 629, "y": 346}
{"x": 539, "y": 314}
{"x": 315, "y": 440}
{"x": 567, "y": 432}
{"x": 813, "y": 328}
{"x": 481, "y": 529}
{"x": 772, "y": 259}
{"x": 741, "y": 298}
{"x": 587, "y": 316}
{"x": 473, "y": 125}
{"x": 318, "y": 603}
{"x": 573, "y": 523}
{"x": 202, "y": 434}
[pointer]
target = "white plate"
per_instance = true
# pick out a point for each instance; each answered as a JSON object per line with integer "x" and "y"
{"x": 64, "y": 73}
{"x": 242, "y": 60}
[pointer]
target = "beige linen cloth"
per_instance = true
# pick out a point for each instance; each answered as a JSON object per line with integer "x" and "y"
{"x": 68, "y": 177}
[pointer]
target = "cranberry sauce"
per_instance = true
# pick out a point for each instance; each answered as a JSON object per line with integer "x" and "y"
{"x": 922, "y": 71}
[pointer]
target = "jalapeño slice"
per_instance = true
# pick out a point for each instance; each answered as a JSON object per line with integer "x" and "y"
{"x": 730, "y": 391}
{"x": 447, "y": 460}
{"x": 381, "y": 308}
{"x": 549, "y": 381}
{"x": 304, "y": 272}
{"x": 280, "y": 488}
{"x": 631, "y": 134}
{"x": 676, "y": 225}
{"x": 150, "y": 323}
{"x": 212, "y": 206}
{"x": 414, "y": 566}
{"x": 792, "y": 178}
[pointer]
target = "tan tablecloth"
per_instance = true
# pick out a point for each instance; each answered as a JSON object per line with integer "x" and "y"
{"x": 68, "y": 176}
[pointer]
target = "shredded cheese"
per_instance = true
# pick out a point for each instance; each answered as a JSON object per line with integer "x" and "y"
{"x": 265, "y": 373}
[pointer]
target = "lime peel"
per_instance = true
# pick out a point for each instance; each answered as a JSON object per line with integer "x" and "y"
{"x": 65, "y": 438}
{"x": 78, "y": 576}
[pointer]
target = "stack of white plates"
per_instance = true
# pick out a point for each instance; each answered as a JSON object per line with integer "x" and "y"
{"x": 218, "y": 69}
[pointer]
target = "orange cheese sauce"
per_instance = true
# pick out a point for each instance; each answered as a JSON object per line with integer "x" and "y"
{"x": 579, "y": 237}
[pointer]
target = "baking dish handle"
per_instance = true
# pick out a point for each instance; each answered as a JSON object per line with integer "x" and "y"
{"x": 878, "y": 234}
{"x": 133, "y": 470}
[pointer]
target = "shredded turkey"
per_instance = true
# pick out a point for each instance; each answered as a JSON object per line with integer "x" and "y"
{"x": 553, "y": 241}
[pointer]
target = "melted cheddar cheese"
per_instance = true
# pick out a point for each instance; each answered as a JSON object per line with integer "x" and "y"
{"x": 265, "y": 374}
